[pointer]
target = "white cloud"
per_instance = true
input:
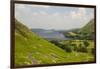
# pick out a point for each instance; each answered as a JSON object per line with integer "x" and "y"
{"x": 91, "y": 15}
{"x": 43, "y": 13}
{"x": 21, "y": 9}
{"x": 56, "y": 14}
{"x": 19, "y": 6}
{"x": 78, "y": 14}
{"x": 56, "y": 20}
{"x": 34, "y": 13}
{"x": 82, "y": 10}
{"x": 40, "y": 6}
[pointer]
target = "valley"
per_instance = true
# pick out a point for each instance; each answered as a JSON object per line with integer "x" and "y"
{"x": 39, "y": 46}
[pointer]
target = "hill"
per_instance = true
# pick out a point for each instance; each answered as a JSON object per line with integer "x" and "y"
{"x": 88, "y": 28}
{"x": 30, "y": 49}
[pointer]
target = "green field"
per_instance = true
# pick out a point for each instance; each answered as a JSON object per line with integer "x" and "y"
{"x": 78, "y": 48}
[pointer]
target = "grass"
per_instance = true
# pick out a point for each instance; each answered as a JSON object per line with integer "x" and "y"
{"x": 79, "y": 56}
{"x": 31, "y": 49}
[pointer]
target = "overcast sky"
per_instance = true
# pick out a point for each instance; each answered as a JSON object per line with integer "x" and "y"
{"x": 53, "y": 17}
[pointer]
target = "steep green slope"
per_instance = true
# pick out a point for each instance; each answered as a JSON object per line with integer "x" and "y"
{"x": 31, "y": 49}
{"x": 88, "y": 28}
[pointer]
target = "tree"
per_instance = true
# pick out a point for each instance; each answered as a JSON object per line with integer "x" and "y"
{"x": 68, "y": 48}
{"x": 55, "y": 42}
{"x": 82, "y": 48}
{"x": 86, "y": 43}
{"x": 93, "y": 51}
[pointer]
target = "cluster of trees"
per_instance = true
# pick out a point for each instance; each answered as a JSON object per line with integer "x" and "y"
{"x": 82, "y": 36}
{"x": 88, "y": 36}
{"x": 70, "y": 47}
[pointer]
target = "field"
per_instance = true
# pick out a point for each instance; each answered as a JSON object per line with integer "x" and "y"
{"x": 78, "y": 50}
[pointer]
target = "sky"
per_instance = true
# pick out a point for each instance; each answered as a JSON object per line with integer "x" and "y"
{"x": 53, "y": 17}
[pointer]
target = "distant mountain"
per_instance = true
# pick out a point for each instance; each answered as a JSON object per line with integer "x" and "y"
{"x": 30, "y": 49}
{"x": 88, "y": 28}
{"x": 37, "y": 30}
{"x": 50, "y": 34}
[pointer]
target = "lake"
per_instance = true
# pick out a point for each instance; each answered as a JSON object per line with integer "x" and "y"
{"x": 50, "y": 34}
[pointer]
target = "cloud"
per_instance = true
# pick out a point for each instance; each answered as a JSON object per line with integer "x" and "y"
{"x": 41, "y": 6}
{"x": 50, "y": 17}
{"x": 34, "y": 13}
{"x": 56, "y": 14}
{"x": 40, "y": 13}
{"x": 21, "y": 9}
{"x": 43, "y": 13}
{"x": 81, "y": 12}
{"x": 91, "y": 14}
{"x": 19, "y": 6}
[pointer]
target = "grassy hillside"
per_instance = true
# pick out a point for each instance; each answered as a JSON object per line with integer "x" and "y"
{"x": 88, "y": 28}
{"x": 31, "y": 49}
